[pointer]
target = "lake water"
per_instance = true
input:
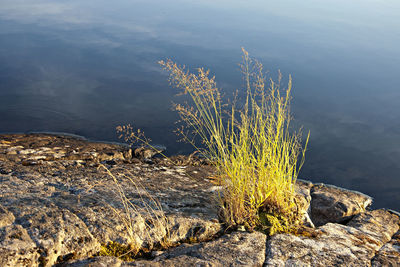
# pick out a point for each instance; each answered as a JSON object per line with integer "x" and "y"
{"x": 85, "y": 67}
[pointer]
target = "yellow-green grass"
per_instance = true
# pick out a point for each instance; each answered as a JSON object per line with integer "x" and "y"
{"x": 249, "y": 142}
{"x": 146, "y": 225}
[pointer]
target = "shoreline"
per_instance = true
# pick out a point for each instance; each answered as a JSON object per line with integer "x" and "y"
{"x": 159, "y": 146}
{"x": 58, "y": 206}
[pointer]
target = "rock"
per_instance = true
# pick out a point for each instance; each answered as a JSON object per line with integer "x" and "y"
{"x": 303, "y": 200}
{"x": 57, "y": 233}
{"x": 26, "y": 151}
{"x": 378, "y": 224}
{"x": 105, "y": 157}
{"x": 235, "y": 249}
{"x": 389, "y": 254}
{"x": 195, "y": 229}
{"x": 100, "y": 261}
{"x": 6, "y": 217}
{"x": 303, "y": 196}
{"x": 30, "y": 162}
{"x": 14, "y": 150}
{"x": 68, "y": 210}
{"x": 60, "y": 210}
{"x": 5, "y": 170}
{"x": 34, "y": 147}
{"x": 38, "y": 157}
{"x": 336, "y": 244}
{"x": 144, "y": 152}
{"x": 17, "y": 248}
{"x": 337, "y": 205}
{"x": 4, "y": 143}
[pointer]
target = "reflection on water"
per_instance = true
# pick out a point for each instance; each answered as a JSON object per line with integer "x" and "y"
{"x": 86, "y": 66}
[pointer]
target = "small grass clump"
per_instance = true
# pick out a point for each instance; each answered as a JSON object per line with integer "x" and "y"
{"x": 146, "y": 225}
{"x": 250, "y": 144}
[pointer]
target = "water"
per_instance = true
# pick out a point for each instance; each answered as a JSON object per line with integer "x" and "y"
{"x": 85, "y": 67}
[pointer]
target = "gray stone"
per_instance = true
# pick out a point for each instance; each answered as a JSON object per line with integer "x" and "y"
{"x": 377, "y": 224}
{"x": 60, "y": 209}
{"x": 337, "y": 205}
{"x": 303, "y": 200}
{"x": 235, "y": 249}
{"x": 68, "y": 210}
{"x": 17, "y": 248}
{"x": 389, "y": 254}
{"x": 101, "y": 261}
{"x": 6, "y": 217}
{"x": 335, "y": 244}
{"x": 144, "y": 152}
{"x": 57, "y": 233}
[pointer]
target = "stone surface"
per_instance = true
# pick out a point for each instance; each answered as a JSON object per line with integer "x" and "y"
{"x": 389, "y": 254}
{"x": 101, "y": 261}
{"x": 147, "y": 152}
{"x": 354, "y": 244}
{"x": 377, "y": 224}
{"x": 6, "y": 217}
{"x": 235, "y": 249}
{"x": 337, "y": 205}
{"x": 36, "y": 148}
{"x": 303, "y": 200}
{"x": 59, "y": 202}
{"x": 17, "y": 247}
{"x": 57, "y": 233}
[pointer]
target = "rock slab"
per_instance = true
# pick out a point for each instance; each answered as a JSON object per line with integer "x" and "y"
{"x": 58, "y": 205}
{"x": 337, "y": 205}
{"x": 354, "y": 244}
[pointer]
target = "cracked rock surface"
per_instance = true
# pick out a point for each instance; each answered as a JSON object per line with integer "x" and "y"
{"x": 332, "y": 204}
{"x": 58, "y": 205}
{"x": 389, "y": 254}
{"x": 64, "y": 205}
{"x": 354, "y": 244}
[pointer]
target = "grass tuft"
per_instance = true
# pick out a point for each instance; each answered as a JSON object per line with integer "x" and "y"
{"x": 255, "y": 154}
{"x": 146, "y": 224}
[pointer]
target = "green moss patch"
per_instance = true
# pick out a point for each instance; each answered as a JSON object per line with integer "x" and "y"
{"x": 124, "y": 252}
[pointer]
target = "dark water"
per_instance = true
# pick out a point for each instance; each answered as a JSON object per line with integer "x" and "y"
{"x": 84, "y": 67}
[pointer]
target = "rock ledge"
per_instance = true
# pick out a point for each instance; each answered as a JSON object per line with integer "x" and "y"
{"x": 57, "y": 207}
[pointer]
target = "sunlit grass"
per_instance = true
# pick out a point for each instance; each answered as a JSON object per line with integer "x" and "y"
{"x": 146, "y": 225}
{"x": 249, "y": 142}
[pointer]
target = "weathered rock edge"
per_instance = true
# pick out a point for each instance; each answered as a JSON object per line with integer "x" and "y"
{"x": 57, "y": 207}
